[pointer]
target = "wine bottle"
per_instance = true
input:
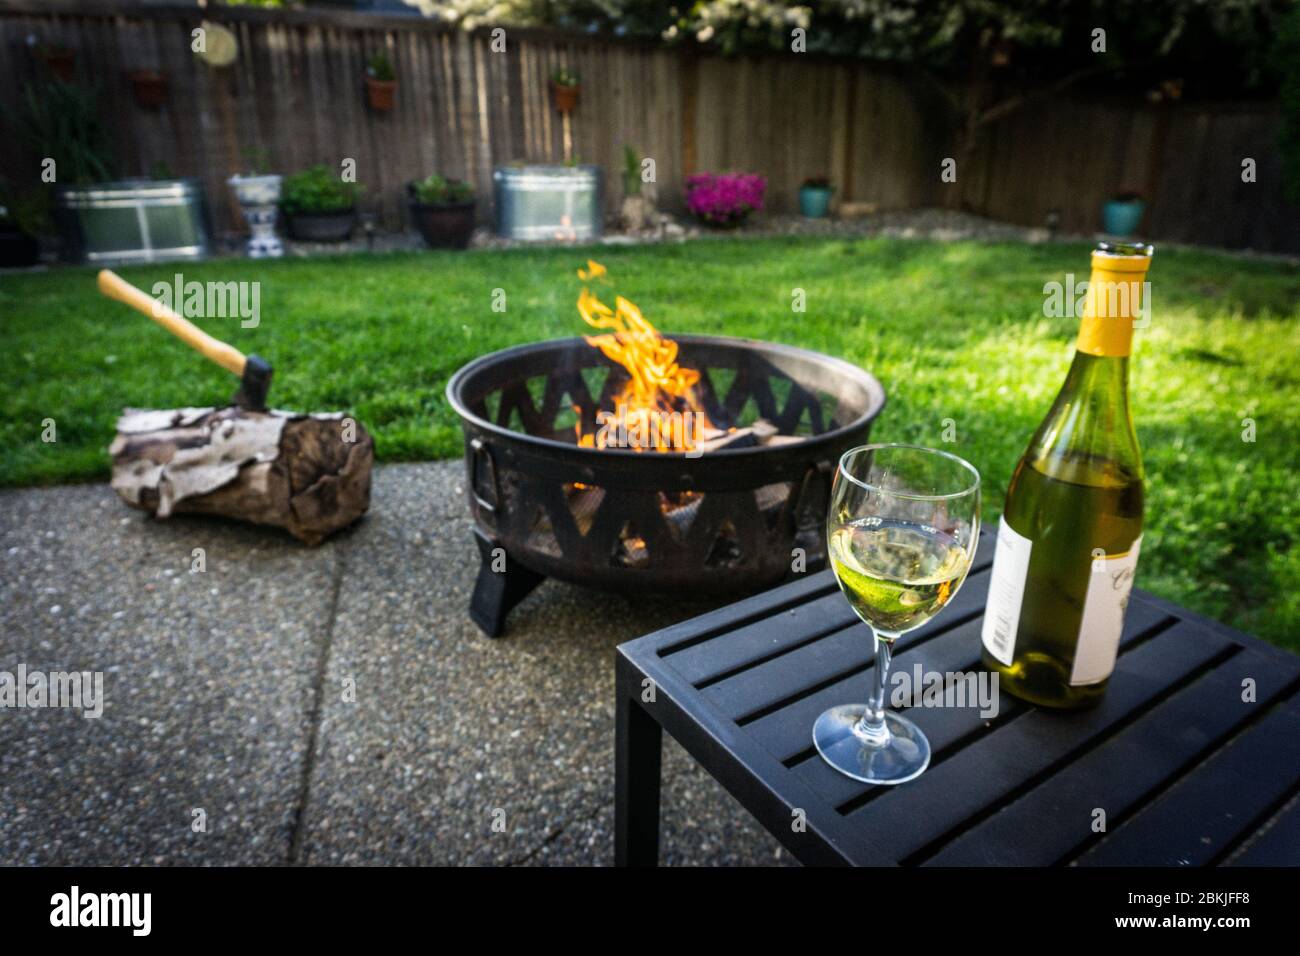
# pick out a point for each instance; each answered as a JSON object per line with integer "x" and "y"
{"x": 1068, "y": 541}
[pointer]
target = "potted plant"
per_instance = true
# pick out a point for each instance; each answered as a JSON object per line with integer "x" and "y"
{"x": 60, "y": 60}
{"x": 443, "y": 211}
{"x": 381, "y": 82}
{"x": 1121, "y": 214}
{"x": 636, "y": 208}
{"x": 815, "y": 196}
{"x": 150, "y": 88}
{"x": 565, "y": 86}
{"x": 98, "y": 219}
{"x": 724, "y": 200}
{"x": 319, "y": 206}
{"x": 258, "y": 194}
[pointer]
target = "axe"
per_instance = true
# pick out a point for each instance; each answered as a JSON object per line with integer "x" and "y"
{"x": 254, "y": 371}
{"x": 306, "y": 473}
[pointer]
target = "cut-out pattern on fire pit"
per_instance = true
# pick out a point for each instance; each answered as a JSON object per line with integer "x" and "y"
{"x": 725, "y": 522}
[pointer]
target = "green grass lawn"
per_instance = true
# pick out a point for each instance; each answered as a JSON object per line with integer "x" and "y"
{"x": 954, "y": 331}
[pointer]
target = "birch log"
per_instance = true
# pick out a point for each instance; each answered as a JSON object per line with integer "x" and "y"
{"x": 308, "y": 474}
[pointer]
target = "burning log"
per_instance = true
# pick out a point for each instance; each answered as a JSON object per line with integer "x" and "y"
{"x": 715, "y": 439}
{"x": 583, "y": 501}
{"x": 762, "y": 432}
{"x": 308, "y": 474}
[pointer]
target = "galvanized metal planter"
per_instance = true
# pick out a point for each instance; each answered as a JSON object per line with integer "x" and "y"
{"x": 132, "y": 220}
{"x": 537, "y": 203}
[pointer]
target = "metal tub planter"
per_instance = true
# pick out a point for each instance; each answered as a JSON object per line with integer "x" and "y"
{"x": 132, "y": 220}
{"x": 536, "y": 203}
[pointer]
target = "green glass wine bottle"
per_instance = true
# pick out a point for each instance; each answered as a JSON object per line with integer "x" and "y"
{"x": 1068, "y": 540}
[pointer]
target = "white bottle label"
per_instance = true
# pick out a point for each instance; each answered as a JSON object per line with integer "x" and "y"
{"x": 1109, "y": 585}
{"x": 1006, "y": 592}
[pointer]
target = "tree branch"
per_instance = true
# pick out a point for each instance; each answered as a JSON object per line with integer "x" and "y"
{"x": 1014, "y": 103}
{"x": 949, "y": 97}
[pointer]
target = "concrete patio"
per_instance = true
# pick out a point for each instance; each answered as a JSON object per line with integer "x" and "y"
{"x": 225, "y": 692}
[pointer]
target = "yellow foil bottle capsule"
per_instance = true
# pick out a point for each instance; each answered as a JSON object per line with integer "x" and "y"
{"x": 1116, "y": 299}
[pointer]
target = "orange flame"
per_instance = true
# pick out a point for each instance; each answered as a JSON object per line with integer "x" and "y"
{"x": 657, "y": 407}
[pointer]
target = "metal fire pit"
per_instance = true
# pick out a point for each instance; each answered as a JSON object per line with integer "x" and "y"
{"x": 724, "y": 523}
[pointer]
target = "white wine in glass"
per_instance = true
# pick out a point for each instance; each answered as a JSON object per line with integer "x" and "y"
{"x": 901, "y": 535}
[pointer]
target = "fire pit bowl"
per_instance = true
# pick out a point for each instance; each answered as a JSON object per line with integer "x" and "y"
{"x": 723, "y": 522}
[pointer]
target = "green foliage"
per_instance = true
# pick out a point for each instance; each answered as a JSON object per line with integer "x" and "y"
{"x": 257, "y": 160}
{"x": 631, "y": 172}
{"x": 1287, "y": 56}
{"x": 28, "y": 210}
{"x": 435, "y": 190}
{"x": 380, "y": 67}
{"x": 62, "y": 121}
{"x": 318, "y": 189}
{"x": 1218, "y": 46}
{"x": 380, "y": 335}
{"x": 565, "y": 76}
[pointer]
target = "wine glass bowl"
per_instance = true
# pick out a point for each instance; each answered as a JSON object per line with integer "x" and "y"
{"x": 901, "y": 535}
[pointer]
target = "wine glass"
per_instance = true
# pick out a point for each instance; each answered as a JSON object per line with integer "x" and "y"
{"x": 901, "y": 535}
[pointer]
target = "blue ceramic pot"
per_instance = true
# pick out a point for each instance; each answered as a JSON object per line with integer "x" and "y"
{"x": 814, "y": 200}
{"x": 1120, "y": 217}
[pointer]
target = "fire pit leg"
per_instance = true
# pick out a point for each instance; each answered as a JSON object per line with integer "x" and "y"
{"x": 497, "y": 592}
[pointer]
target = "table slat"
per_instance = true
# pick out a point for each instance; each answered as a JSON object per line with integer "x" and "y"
{"x": 989, "y": 771}
{"x": 1219, "y": 804}
{"x": 948, "y": 727}
{"x": 838, "y": 654}
{"x": 1277, "y": 845}
{"x": 1124, "y": 772}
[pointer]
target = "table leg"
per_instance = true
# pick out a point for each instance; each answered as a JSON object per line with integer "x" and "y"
{"x": 637, "y": 750}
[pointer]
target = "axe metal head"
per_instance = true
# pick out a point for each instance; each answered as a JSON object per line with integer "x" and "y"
{"x": 254, "y": 384}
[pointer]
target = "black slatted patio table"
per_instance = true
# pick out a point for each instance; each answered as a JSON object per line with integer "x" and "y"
{"x": 1186, "y": 766}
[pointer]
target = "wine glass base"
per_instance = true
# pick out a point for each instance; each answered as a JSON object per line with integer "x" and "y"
{"x": 903, "y": 757}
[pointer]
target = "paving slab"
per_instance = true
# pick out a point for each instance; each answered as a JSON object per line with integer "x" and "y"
{"x": 460, "y": 749}
{"x": 320, "y": 706}
{"x": 208, "y": 682}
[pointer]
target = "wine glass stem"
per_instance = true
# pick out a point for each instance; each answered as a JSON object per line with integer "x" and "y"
{"x": 871, "y": 729}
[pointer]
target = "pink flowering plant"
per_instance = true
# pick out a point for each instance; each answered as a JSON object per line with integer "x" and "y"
{"x": 726, "y": 198}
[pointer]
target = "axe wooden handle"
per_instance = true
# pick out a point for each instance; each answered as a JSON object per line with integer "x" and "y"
{"x": 227, "y": 356}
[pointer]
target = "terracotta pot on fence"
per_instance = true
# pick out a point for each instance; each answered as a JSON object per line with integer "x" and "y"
{"x": 380, "y": 94}
{"x": 566, "y": 97}
{"x": 150, "y": 88}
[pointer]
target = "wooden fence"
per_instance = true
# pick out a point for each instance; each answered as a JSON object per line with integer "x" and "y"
{"x": 295, "y": 92}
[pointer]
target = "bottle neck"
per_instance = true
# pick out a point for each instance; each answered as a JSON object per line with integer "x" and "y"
{"x": 1087, "y": 438}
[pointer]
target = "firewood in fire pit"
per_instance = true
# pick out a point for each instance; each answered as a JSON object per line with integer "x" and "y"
{"x": 680, "y": 509}
{"x": 764, "y": 431}
{"x": 583, "y": 501}
{"x": 715, "y": 440}
{"x": 761, "y": 432}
